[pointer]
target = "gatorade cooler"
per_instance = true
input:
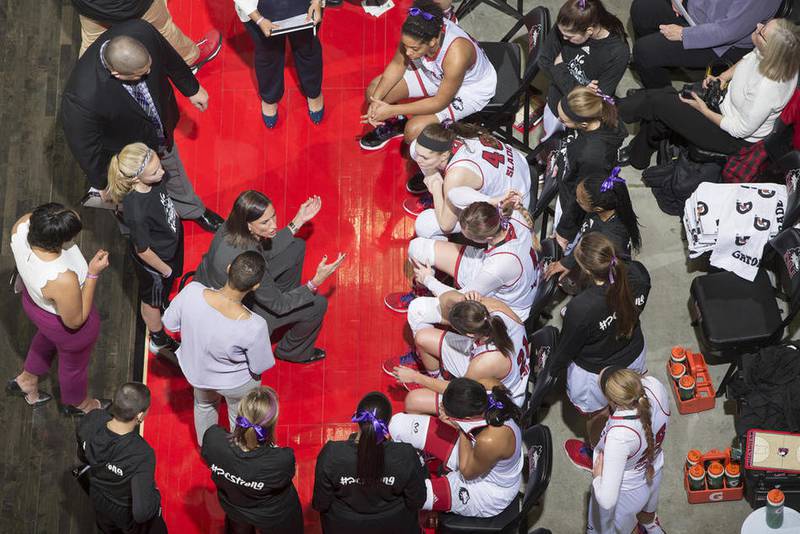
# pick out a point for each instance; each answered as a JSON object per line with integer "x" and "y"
{"x": 725, "y": 493}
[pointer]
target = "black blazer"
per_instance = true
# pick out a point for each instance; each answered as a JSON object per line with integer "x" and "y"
{"x": 100, "y": 117}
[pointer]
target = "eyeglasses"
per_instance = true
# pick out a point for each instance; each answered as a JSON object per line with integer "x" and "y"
{"x": 417, "y": 12}
{"x": 760, "y": 32}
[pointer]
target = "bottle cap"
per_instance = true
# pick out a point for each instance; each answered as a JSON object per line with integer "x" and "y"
{"x": 678, "y": 352}
{"x": 715, "y": 469}
{"x": 694, "y": 455}
{"x": 697, "y": 471}
{"x": 686, "y": 382}
{"x": 677, "y": 368}
{"x": 775, "y": 496}
{"x": 732, "y": 468}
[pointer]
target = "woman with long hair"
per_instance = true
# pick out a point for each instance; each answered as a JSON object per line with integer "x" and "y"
{"x": 369, "y": 483}
{"x": 252, "y": 474}
{"x": 57, "y": 288}
{"x": 487, "y": 342}
{"x": 460, "y": 164}
{"x": 587, "y": 47}
{"x": 628, "y": 458}
{"x": 477, "y": 437}
{"x": 591, "y": 145}
{"x": 507, "y": 269}
{"x": 601, "y": 327}
{"x": 608, "y": 210}
{"x": 758, "y": 88}
{"x": 280, "y": 298}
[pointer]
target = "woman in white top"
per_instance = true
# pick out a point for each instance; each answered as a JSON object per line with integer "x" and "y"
{"x": 758, "y": 87}
{"x": 57, "y": 289}
{"x": 628, "y": 460}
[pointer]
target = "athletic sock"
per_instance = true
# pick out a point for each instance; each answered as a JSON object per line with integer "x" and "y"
{"x": 652, "y": 528}
{"x": 434, "y": 374}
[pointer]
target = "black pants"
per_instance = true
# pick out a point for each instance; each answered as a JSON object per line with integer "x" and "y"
{"x": 107, "y": 525}
{"x": 661, "y": 113}
{"x": 653, "y": 53}
{"x": 269, "y": 62}
{"x": 292, "y": 524}
{"x": 305, "y": 323}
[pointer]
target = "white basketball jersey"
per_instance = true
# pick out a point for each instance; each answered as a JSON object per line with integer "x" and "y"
{"x": 636, "y": 465}
{"x": 519, "y": 294}
{"x": 517, "y": 378}
{"x": 506, "y": 473}
{"x": 480, "y": 72}
{"x": 500, "y": 166}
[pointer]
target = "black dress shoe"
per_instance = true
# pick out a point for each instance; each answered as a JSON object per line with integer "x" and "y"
{"x": 12, "y": 388}
{"x": 210, "y": 221}
{"x": 333, "y": 3}
{"x": 318, "y": 354}
{"x": 73, "y": 411}
{"x": 416, "y": 184}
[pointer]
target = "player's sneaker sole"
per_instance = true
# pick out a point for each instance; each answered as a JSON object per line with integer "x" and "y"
{"x": 381, "y": 145}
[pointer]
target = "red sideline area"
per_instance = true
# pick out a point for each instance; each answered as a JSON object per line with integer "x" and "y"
{"x": 227, "y": 150}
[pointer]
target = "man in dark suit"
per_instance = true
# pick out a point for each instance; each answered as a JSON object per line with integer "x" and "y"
{"x": 120, "y": 93}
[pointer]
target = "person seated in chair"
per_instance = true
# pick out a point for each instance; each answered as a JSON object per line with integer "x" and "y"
{"x": 758, "y": 88}
{"x": 477, "y": 437}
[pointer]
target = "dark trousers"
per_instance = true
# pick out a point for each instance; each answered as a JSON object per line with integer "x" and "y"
{"x": 661, "y": 113}
{"x": 653, "y": 53}
{"x": 270, "y": 53}
{"x": 107, "y": 525}
{"x": 305, "y": 323}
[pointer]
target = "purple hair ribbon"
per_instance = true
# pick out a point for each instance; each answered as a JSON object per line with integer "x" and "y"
{"x": 611, "y": 267}
{"x": 606, "y": 98}
{"x": 381, "y": 430}
{"x": 494, "y": 404}
{"x": 261, "y": 434}
{"x": 503, "y": 218}
{"x": 614, "y": 177}
{"x": 582, "y": 4}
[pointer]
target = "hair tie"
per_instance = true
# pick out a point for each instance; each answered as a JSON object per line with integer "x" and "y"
{"x": 582, "y": 4}
{"x": 611, "y": 267}
{"x": 435, "y": 145}
{"x": 147, "y": 156}
{"x": 417, "y": 12}
{"x": 606, "y": 98}
{"x": 570, "y": 113}
{"x": 381, "y": 430}
{"x": 261, "y": 434}
{"x": 494, "y": 404}
{"x": 612, "y": 178}
{"x": 503, "y": 218}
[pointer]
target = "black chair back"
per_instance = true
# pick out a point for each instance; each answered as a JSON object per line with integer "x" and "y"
{"x": 791, "y": 162}
{"x": 784, "y": 250}
{"x": 541, "y": 380}
{"x": 538, "y": 464}
{"x": 545, "y": 288}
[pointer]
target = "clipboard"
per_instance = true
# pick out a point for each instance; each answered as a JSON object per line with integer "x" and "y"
{"x": 294, "y": 24}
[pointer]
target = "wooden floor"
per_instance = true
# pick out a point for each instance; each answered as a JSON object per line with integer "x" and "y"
{"x": 40, "y": 41}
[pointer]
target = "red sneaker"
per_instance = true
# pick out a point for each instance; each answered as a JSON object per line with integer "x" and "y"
{"x": 209, "y": 46}
{"x": 579, "y": 453}
{"x": 409, "y": 359}
{"x": 399, "y": 301}
{"x": 415, "y": 206}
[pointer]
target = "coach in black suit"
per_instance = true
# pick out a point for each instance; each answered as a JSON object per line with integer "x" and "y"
{"x": 120, "y": 93}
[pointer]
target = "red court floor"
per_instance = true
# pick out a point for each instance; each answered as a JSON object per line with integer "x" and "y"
{"x": 226, "y": 150}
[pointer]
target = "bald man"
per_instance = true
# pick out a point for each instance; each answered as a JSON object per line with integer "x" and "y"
{"x": 120, "y": 93}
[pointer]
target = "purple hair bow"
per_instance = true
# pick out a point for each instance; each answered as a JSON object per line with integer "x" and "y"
{"x": 614, "y": 177}
{"x": 503, "y": 218}
{"x": 494, "y": 403}
{"x": 611, "y": 268}
{"x": 261, "y": 434}
{"x": 381, "y": 430}
{"x": 582, "y": 4}
{"x": 606, "y": 98}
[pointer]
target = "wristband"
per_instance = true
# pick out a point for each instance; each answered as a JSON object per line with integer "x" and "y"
{"x": 92, "y": 276}
{"x": 310, "y": 285}
{"x": 292, "y": 227}
{"x": 259, "y": 21}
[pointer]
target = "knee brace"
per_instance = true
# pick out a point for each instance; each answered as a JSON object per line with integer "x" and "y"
{"x": 423, "y": 312}
{"x": 422, "y": 250}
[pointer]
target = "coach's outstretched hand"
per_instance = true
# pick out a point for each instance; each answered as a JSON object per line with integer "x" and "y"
{"x": 307, "y": 211}
{"x": 324, "y": 269}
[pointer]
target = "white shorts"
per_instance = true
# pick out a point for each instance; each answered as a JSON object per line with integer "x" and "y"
{"x": 468, "y": 100}
{"x": 583, "y": 387}
{"x": 622, "y": 518}
{"x": 453, "y": 354}
{"x": 468, "y": 265}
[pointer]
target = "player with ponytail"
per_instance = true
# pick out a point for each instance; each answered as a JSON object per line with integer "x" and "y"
{"x": 628, "y": 458}
{"x": 488, "y": 343}
{"x": 477, "y": 437}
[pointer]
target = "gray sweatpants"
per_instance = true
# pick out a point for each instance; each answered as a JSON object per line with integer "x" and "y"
{"x": 180, "y": 189}
{"x": 206, "y": 403}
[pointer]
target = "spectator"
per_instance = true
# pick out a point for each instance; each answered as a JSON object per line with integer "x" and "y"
{"x": 96, "y": 16}
{"x": 439, "y": 67}
{"x": 587, "y": 47}
{"x": 664, "y": 38}
{"x": 136, "y": 179}
{"x": 628, "y": 460}
{"x": 477, "y": 438}
{"x": 119, "y": 93}
{"x": 58, "y": 297}
{"x": 369, "y": 483}
{"x": 280, "y": 298}
{"x": 590, "y": 146}
{"x": 601, "y": 328}
{"x": 225, "y": 347}
{"x": 758, "y": 88}
{"x": 252, "y": 474}
{"x": 258, "y": 17}
{"x": 121, "y": 465}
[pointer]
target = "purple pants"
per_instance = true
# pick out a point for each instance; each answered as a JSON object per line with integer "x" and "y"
{"x": 74, "y": 349}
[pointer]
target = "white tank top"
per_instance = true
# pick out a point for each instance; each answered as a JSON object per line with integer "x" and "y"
{"x": 519, "y": 294}
{"x": 35, "y": 272}
{"x": 636, "y": 465}
{"x": 516, "y": 380}
{"x": 480, "y": 72}
{"x": 500, "y": 166}
{"x": 506, "y": 473}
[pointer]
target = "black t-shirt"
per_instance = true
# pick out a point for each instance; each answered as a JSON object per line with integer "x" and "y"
{"x": 122, "y": 478}
{"x": 613, "y": 229}
{"x": 254, "y": 487}
{"x": 111, "y": 11}
{"x": 589, "y": 333}
{"x": 337, "y": 491}
{"x": 153, "y": 221}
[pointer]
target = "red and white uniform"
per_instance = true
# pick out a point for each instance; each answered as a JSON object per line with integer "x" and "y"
{"x": 508, "y": 271}
{"x": 423, "y": 77}
{"x": 457, "y": 352}
{"x": 623, "y": 490}
{"x": 484, "y": 496}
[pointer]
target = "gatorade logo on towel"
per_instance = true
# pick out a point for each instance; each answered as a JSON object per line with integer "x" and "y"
{"x": 761, "y": 224}
{"x": 743, "y": 207}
